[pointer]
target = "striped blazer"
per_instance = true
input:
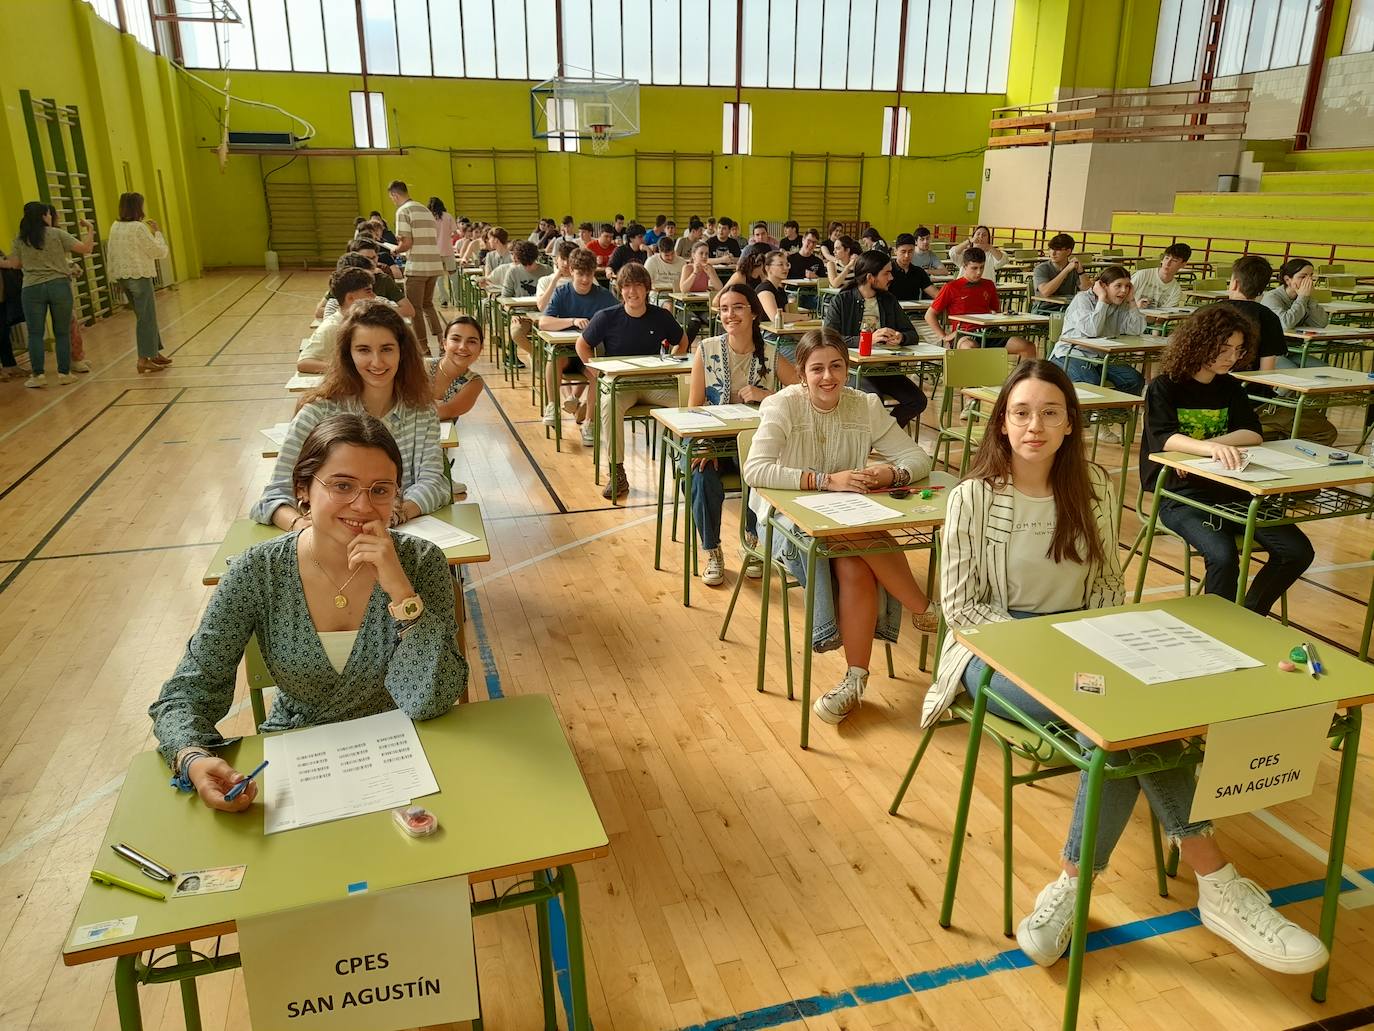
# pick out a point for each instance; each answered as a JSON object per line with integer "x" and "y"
{"x": 974, "y": 574}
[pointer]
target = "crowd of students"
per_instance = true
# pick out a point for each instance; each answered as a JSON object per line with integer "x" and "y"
{"x": 355, "y": 619}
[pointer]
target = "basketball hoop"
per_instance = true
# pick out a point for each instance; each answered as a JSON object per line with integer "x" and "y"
{"x": 601, "y": 139}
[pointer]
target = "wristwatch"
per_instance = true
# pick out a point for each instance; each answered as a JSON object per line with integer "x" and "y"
{"x": 407, "y": 609}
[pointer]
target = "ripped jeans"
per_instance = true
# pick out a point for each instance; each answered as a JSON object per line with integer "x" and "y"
{"x": 1170, "y": 792}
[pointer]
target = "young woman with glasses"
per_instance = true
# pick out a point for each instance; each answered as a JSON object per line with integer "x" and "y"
{"x": 1032, "y": 532}
{"x": 376, "y": 369}
{"x": 352, "y": 618}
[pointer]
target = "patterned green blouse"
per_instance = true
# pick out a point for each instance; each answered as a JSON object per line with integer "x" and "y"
{"x": 421, "y": 674}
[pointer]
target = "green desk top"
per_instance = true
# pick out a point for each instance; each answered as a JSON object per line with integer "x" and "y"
{"x": 1043, "y": 661}
{"x": 1001, "y": 318}
{"x": 885, "y": 354}
{"x": 1323, "y": 380}
{"x": 511, "y": 800}
{"x": 1313, "y": 478}
{"x": 559, "y": 337}
{"x": 1089, "y": 396}
{"x": 1352, "y": 333}
{"x": 642, "y": 365}
{"x": 243, "y": 533}
{"x": 1122, "y": 343}
{"x": 671, "y": 418}
{"x": 907, "y": 513}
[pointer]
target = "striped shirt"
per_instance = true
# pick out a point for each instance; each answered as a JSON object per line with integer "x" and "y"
{"x": 413, "y": 219}
{"x": 416, "y": 431}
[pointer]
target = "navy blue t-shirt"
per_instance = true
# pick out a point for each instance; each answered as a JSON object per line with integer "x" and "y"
{"x": 567, "y": 303}
{"x": 618, "y": 335}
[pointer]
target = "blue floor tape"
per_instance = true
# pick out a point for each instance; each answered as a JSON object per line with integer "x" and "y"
{"x": 558, "y": 927}
{"x": 862, "y": 995}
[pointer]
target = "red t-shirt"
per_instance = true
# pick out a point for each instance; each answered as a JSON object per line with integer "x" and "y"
{"x": 960, "y": 297}
{"x": 603, "y": 254}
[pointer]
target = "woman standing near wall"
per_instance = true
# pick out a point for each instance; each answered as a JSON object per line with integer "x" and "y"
{"x": 444, "y": 227}
{"x": 131, "y": 254}
{"x": 41, "y": 250}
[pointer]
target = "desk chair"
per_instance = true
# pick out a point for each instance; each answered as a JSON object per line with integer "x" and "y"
{"x": 1221, "y": 271}
{"x": 1146, "y": 263}
{"x": 1210, "y": 283}
{"x": 1331, "y": 270}
{"x": 974, "y": 367}
{"x": 1340, "y": 282}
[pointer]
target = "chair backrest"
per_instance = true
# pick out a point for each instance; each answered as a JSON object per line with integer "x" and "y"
{"x": 1210, "y": 283}
{"x": 1222, "y": 270}
{"x": 742, "y": 444}
{"x": 1112, "y": 252}
{"x": 975, "y": 367}
{"x": 1326, "y": 270}
{"x": 1056, "y": 328}
{"x": 1025, "y": 253}
{"x": 1320, "y": 295}
{"x": 1146, "y": 263}
{"x": 684, "y": 391}
{"x": 1335, "y": 282}
{"x": 770, "y": 357}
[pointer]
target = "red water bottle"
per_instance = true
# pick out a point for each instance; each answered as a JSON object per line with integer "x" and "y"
{"x": 866, "y": 337}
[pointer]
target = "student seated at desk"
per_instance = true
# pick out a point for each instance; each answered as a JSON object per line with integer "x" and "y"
{"x": 632, "y": 249}
{"x": 571, "y": 307}
{"x": 868, "y": 301}
{"x": 1107, "y": 310}
{"x": 817, "y": 435}
{"x": 665, "y": 267}
{"x": 924, "y": 257}
{"x": 1057, "y": 277}
{"x": 839, "y": 266}
{"x": 1292, "y": 300}
{"x": 1032, "y": 531}
{"x": 362, "y": 253}
{"x": 759, "y": 241}
{"x": 723, "y": 248}
{"x": 353, "y": 619}
{"x": 749, "y": 272}
{"x": 729, "y": 369}
{"x": 522, "y": 281}
{"x": 981, "y": 239}
{"x": 696, "y": 229}
{"x": 970, "y": 294}
{"x": 604, "y": 245}
{"x": 1194, "y": 406}
{"x": 1159, "y": 287}
{"x": 347, "y": 286}
{"x": 377, "y": 369}
{"x": 909, "y": 280}
{"x": 633, "y": 327}
{"x": 791, "y": 237}
{"x": 456, "y": 387}
{"x": 772, "y": 297}
{"x": 1250, "y": 277}
{"x": 562, "y": 273}
{"x": 497, "y": 253}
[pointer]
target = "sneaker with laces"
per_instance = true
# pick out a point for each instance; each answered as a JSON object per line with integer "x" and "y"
{"x": 65, "y": 379}
{"x": 587, "y": 438}
{"x": 82, "y": 366}
{"x": 1045, "y": 933}
{"x": 618, "y": 485}
{"x": 714, "y": 573}
{"x": 1109, "y": 435}
{"x": 35, "y": 382}
{"x": 550, "y": 414}
{"x": 1237, "y": 909}
{"x": 843, "y": 698}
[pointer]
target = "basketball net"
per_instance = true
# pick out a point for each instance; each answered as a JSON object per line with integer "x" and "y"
{"x": 601, "y": 139}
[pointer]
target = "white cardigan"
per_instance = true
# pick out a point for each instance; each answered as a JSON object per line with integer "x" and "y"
{"x": 973, "y": 572}
{"x": 132, "y": 251}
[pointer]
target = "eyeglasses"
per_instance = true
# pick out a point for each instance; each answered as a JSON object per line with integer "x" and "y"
{"x": 1049, "y": 417}
{"x": 344, "y": 491}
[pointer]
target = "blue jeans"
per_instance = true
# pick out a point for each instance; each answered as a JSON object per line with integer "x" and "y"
{"x": 1170, "y": 792}
{"x": 53, "y": 296}
{"x": 140, "y": 294}
{"x": 708, "y": 501}
{"x": 1121, "y": 377}
{"x": 1289, "y": 553}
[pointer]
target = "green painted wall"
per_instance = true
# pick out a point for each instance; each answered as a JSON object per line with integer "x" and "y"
{"x": 131, "y": 117}
{"x": 1079, "y": 45}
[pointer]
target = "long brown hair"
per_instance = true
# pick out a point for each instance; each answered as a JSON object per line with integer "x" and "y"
{"x": 411, "y": 386}
{"x": 1202, "y": 335}
{"x": 358, "y": 430}
{"x": 131, "y": 207}
{"x": 1075, "y": 529}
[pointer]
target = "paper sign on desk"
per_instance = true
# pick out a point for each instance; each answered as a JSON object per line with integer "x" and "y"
{"x": 1261, "y": 761}
{"x": 338, "y": 770}
{"x": 436, "y": 531}
{"x": 374, "y": 962}
{"x": 1155, "y": 647}
{"x": 734, "y": 413}
{"x": 847, "y": 509}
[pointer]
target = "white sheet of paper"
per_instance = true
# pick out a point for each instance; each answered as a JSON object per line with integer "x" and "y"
{"x": 847, "y": 509}
{"x": 734, "y": 413}
{"x": 1279, "y": 379}
{"x": 303, "y": 381}
{"x": 1155, "y": 647}
{"x": 337, "y": 770}
{"x": 436, "y": 531}
{"x": 1270, "y": 459}
{"x": 1085, "y": 392}
{"x": 696, "y": 421}
{"x": 276, "y": 433}
{"x": 446, "y": 429}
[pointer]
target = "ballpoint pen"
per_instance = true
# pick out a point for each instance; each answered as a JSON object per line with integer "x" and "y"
{"x": 157, "y": 871}
{"x": 111, "y": 881}
{"x": 1314, "y": 663}
{"x": 242, "y": 785}
{"x": 1304, "y": 450}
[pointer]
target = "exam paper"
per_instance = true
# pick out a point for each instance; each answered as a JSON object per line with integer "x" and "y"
{"x": 437, "y": 532}
{"x": 446, "y": 429}
{"x": 276, "y": 433}
{"x": 734, "y": 413}
{"x": 1271, "y": 459}
{"x": 847, "y": 509}
{"x": 1279, "y": 379}
{"x": 696, "y": 421}
{"x": 1155, "y": 647}
{"x": 304, "y": 381}
{"x": 338, "y": 770}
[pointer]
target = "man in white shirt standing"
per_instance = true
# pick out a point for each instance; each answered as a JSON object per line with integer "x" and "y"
{"x": 417, "y": 238}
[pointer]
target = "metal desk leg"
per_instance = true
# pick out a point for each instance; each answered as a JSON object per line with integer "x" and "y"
{"x": 956, "y": 841}
{"x": 190, "y": 1001}
{"x": 616, "y": 429}
{"x": 596, "y": 429}
{"x": 1128, "y": 438}
{"x": 546, "y": 988}
{"x": 1247, "y": 546}
{"x": 1147, "y": 540}
{"x": 1340, "y": 822}
{"x": 126, "y": 993}
{"x": 687, "y": 526}
{"x": 667, "y": 455}
{"x": 808, "y": 625}
{"x": 577, "y": 973}
{"x": 1086, "y": 857}
{"x": 460, "y": 612}
{"x": 767, "y": 552}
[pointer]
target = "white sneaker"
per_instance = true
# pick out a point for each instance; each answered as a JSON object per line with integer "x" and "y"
{"x": 550, "y": 414}
{"x": 81, "y": 366}
{"x": 1045, "y": 933}
{"x": 587, "y": 435}
{"x": 714, "y": 573}
{"x": 843, "y": 698}
{"x": 1239, "y": 910}
{"x": 65, "y": 379}
{"x": 753, "y": 570}
{"x": 35, "y": 382}
{"x": 1109, "y": 435}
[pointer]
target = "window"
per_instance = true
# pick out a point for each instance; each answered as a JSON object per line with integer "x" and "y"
{"x": 736, "y": 130}
{"x": 896, "y": 131}
{"x": 1256, "y": 36}
{"x": 369, "y": 133}
{"x": 1359, "y": 30}
{"x": 562, "y": 119}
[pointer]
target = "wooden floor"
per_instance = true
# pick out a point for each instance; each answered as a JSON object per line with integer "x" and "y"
{"x": 746, "y": 878}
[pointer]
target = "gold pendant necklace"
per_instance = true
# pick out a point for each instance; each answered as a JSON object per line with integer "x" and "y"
{"x": 340, "y": 599}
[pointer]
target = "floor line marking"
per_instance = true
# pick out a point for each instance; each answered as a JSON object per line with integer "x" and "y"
{"x": 553, "y": 552}
{"x": 1362, "y": 896}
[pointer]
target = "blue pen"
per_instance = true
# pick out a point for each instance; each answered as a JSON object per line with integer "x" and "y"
{"x": 242, "y": 785}
{"x": 1304, "y": 450}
